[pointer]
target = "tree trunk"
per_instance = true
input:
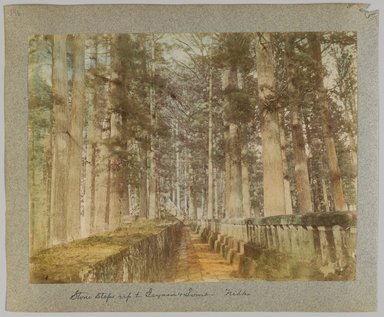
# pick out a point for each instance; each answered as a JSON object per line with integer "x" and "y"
{"x": 32, "y": 187}
{"x": 76, "y": 139}
{"x": 186, "y": 184}
{"x": 245, "y": 176}
{"x": 117, "y": 195}
{"x": 102, "y": 178}
{"x": 333, "y": 165}
{"x": 202, "y": 215}
{"x": 216, "y": 195}
{"x": 223, "y": 195}
{"x": 88, "y": 225}
{"x": 143, "y": 190}
{"x": 152, "y": 159}
{"x": 235, "y": 202}
{"x": 287, "y": 185}
{"x": 325, "y": 195}
{"x": 178, "y": 204}
{"x": 192, "y": 204}
{"x": 118, "y": 189}
{"x": 301, "y": 165}
{"x": 39, "y": 162}
{"x": 48, "y": 180}
{"x": 235, "y": 207}
{"x": 210, "y": 145}
{"x": 352, "y": 142}
{"x": 60, "y": 148}
{"x": 89, "y": 205}
{"x": 273, "y": 176}
{"x": 227, "y": 178}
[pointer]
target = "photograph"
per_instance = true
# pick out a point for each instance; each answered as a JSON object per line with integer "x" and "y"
{"x": 192, "y": 157}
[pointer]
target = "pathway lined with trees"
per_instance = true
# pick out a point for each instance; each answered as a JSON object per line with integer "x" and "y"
{"x": 194, "y": 260}
{"x": 216, "y": 125}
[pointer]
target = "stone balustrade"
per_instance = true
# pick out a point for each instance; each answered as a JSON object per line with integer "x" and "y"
{"x": 325, "y": 240}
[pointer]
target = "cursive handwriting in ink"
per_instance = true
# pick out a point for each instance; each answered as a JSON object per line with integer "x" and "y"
{"x": 104, "y": 296}
{"x": 80, "y": 296}
{"x": 239, "y": 292}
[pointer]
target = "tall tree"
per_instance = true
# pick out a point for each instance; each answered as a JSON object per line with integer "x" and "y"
{"x": 333, "y": 165}
{"x": 235, "y": 202}
{"x": 274, "y": 198}
{"x": 103, "y": 128}
{"x": 39, "y": 147}
{"x": 88, "y": 225}
{"x": 301, "y": 166}
{"x": 284, "y": 148}
{"x": 245, "y": 175}
{"x": 210, "y": 149}
{"x": 118, "y": 146}
{"x": 76, "y": 138}
{"x": 60, "y": 149}
{"x": 152, "y": 211}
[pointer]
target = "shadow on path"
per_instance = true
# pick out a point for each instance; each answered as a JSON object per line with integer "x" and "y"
{"x": 195, "y": 261}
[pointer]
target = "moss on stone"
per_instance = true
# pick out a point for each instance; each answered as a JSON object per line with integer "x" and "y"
{"x": 63, "y": 263}
{"x": 327, "y": 219}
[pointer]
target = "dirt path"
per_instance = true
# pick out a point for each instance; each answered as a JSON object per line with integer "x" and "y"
{"x": 195, "y": 261}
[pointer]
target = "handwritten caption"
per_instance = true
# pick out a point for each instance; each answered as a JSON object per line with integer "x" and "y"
{"x": 153, "y": 294}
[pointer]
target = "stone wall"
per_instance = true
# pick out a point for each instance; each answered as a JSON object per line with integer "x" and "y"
{"x": 145, "y": 261}
{"x": 138, "y": 252}
{"x": 316, "y": 246}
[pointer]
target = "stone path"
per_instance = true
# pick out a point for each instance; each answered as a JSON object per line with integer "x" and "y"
{"x": 195, "y": 261}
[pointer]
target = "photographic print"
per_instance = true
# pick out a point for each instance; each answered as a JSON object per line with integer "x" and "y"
{"x": 192, "y": 157}
{"x": 188, "y": 158}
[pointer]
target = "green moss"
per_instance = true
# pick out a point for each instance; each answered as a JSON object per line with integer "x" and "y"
{"x": 327, "y": 219}
{"x": 63, "y": 263}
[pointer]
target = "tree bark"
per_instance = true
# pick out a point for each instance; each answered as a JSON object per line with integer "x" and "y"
{"x": 143, "y": 192}
{"x": 273, "y": 176}
{"x": 245, "y": 176}
{"x": 235, "y": 202}
{"x": 31, "y": 193}
{"x": 152, "y": 159}
{"x": 48, "y": 182}
{"x": 216, "y": 195}
{"x": 60, "y": 149}
{"x": 117, "y": 191}
{"x": 102, "y": 158}
{"x": 287, "y": 185}
{"x": 101, "y": 178}
{"x": 76, "y": 138}
{"x": 89, "y": 206}
{"x": 88, "y": 225}
{"x": 186, "y": 184}
{"x": 227, "y": 178}
{"x": 210, "y": 145}
{"x": 333, "y": 165}
{"x": 178, "y": 203}
{"x": 202, "y": 215}
{"x": 235, "y": 207}
{"x": 39, "y": 156}
{"x": 191, "y": 190}
{"x": 325, "y": 195}
{"x": 301, "y": 165}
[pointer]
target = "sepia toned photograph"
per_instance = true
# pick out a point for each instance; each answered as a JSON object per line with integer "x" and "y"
{"x": 192, "y": 157}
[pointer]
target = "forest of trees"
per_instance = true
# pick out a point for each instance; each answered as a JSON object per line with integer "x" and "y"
{"x": 204, "y": 125}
